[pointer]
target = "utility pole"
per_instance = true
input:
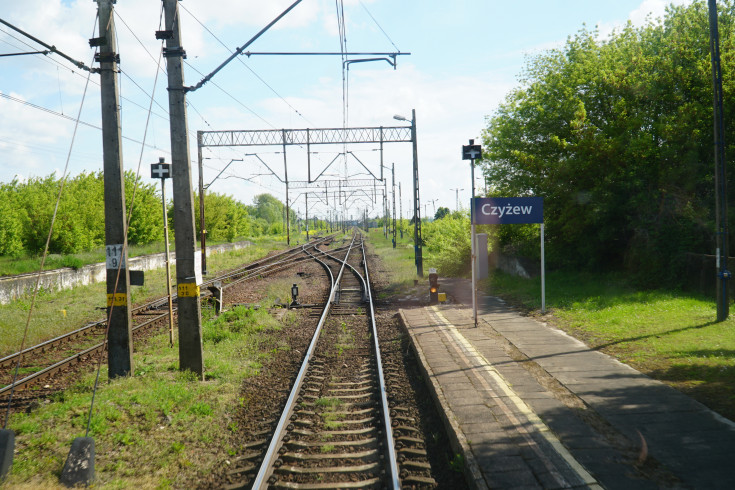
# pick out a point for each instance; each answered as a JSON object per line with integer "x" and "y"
{"x": 202, "y": 227}
{"x": 385, "y": 208}
{"x": 120, "y": 338}
{"x": 723, "y": 274}
{"x": 306, "y": 199}
{"x": 285, "y": 173}
{"x": 400, "y": 204}
{"x": 456, "y": 197}
{"x": 394, "y": 204}
{"x": 189, "y": 305}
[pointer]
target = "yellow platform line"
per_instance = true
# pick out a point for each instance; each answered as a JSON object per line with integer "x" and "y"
{"x": 482, "y": 364}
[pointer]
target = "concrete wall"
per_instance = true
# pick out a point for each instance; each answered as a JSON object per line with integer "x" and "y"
{"x": 14, "y": 287}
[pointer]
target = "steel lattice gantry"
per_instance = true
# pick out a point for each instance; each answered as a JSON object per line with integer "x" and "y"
{"x": 280, "y": 137}
{"x": 315, "y": 136}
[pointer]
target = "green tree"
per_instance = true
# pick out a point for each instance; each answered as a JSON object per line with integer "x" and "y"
{"x": 441, "y": 212}
{"x": 616, "y": 135}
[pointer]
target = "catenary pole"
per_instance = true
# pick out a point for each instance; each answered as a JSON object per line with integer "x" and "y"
{"x": 202, "y": 227}
{"x": 120, "y": 343}
{"x": 400, "y": 207}
{"x": 723, "y": 274}
{"x": 189, "y": 305}
{"x": 416, "y": 200}
{"x": 394, "y": 203}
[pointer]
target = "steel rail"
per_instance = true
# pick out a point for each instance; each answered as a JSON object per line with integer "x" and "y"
{"x": 12, "y": 358}
{"x": 90, "y": 350}
{"x": 355, "y": 271}
{"x": 266, "y": 467}
{"x": 390, "y": 442}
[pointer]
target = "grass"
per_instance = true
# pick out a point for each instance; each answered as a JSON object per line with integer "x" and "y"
{"x": 669, "y": 335}
{"x": 399, "y": 262}
{"x": 158, "y": 428}
{"x": 58, "y": 312}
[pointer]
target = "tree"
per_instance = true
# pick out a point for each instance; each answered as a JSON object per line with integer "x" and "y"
{"x": 616, "y": 135}
{"x": 441, "y": 212}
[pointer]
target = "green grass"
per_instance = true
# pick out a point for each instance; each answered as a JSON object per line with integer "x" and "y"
{"x": 669, "y": 335}
{"x": 398, "y": 262}
{"x": 58, "y": 312}
{"x": 156, "y": 429}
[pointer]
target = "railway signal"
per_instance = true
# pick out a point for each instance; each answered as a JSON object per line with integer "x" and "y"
{"x": 162, "y": 170}
{"x": 433, "y": 287}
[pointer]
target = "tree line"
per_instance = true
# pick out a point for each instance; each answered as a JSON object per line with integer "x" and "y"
{"x": 616, "y": 134}
{"x": 27, "y": 208}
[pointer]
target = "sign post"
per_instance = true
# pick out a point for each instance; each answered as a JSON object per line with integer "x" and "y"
{"x": 470, "y": 152}
{"x": 162, "y": 171}
{"x": 513, "y": 210}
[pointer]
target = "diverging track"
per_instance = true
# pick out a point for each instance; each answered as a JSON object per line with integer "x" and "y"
{"x": 338, "y": 429}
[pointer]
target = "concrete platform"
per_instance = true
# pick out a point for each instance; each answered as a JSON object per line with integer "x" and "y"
{"x": 529, "y": 406}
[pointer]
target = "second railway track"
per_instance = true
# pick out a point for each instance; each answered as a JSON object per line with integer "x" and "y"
{"x": 41, "y": 362}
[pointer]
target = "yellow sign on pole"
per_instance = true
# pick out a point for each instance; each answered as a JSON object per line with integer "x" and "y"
{"x": 188, "y": 290}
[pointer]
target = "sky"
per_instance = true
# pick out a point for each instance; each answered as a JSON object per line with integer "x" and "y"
{"x": 465, "y": 57}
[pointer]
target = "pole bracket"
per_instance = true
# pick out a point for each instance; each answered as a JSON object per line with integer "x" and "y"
{"x": 109, "y": 57}
{"x": 174, "y": 52}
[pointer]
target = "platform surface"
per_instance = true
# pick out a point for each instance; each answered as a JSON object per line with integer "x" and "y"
{"x": 531, "y": 407}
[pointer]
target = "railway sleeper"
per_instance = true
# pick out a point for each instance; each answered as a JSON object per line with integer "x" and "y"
{"x": 334, "y": 433}
{"x": 367, "y": 456}
{"x": 371, "y": 441}
{"x": 419, "y": 480}
{"x": 369, "y": 483}
{"x": 329, "y": 469}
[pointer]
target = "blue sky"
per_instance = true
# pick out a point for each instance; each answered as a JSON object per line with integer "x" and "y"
{"x": 465, "y": 57}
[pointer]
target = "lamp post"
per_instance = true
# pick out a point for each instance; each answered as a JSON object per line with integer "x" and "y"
{"x": 456, "y": 197}
{"x": 416, "y": 200}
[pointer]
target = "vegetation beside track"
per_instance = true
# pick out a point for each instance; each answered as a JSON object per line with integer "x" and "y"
{"x": 160, "y": 428}
{"x": 670, "y": 335}
{"x": 59, "y": 312}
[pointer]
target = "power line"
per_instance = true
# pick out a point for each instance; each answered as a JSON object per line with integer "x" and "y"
{"x": 53, "y": 49}
{"x": 234, "y": 98}
{"x": 64, "y": 116}
{"x": 379, "y": 27}
{"x": 241, "y": 48}
{"x": 246, "y": 65}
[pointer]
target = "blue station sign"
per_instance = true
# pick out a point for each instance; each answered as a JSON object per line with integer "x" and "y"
{"x": 508, "y": 210}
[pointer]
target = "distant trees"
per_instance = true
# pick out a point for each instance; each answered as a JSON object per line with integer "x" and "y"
{"x": 441, "y": 212}
{"x": 27, "y": 208}
{"x": 616, "y": 134}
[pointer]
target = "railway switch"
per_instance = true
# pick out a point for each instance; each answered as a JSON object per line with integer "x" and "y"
{"x": 433, "y": 287}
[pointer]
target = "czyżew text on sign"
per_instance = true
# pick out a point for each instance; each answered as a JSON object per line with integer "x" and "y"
{"x": 508, "y": 210}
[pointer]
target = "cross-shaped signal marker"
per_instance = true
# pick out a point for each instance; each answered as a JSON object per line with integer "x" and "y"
{"x": 471, "y": 152}
{"x": 160, "y": 170}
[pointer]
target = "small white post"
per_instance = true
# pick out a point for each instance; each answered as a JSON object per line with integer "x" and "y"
{"x": 543, "y": 273}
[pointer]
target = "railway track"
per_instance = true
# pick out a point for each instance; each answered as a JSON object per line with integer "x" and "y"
{"x": 43, "y": 361}
{"x": 338, "y": 428}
